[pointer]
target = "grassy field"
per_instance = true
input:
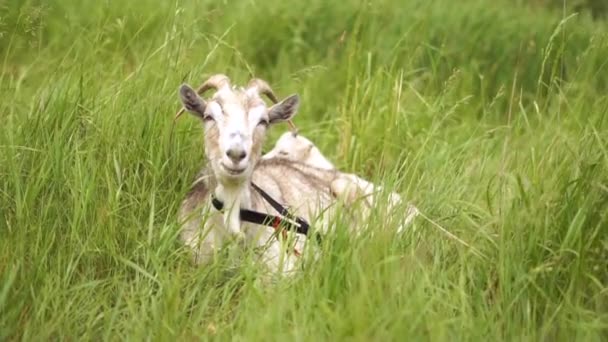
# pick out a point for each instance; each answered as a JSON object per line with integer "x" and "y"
{"x": 492, "y": 117}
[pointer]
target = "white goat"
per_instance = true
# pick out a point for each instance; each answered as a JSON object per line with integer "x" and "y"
{"x": 349, "y": 187}
{"x": 296, "y": 147}
{"x": 235, "y": 121}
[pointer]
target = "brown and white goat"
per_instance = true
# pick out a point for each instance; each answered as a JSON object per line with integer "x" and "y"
{"x": 235, "y": 121}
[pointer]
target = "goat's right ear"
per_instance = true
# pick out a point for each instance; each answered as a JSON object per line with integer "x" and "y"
{"x": 191, "y": 101}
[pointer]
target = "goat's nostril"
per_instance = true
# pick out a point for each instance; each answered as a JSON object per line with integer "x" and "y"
{"x": 236, "y": 154}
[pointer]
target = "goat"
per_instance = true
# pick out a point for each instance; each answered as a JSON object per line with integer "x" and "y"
{"x": 348, "y": 187}
{"x": 235, "y": 122}
{"x": 296, "y": 147}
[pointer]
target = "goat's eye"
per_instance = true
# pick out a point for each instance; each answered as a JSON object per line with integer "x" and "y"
{"x": 263, "y": 122}
{"x": 208, "y": 118}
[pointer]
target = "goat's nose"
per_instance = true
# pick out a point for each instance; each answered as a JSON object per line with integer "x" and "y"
{"x": 236, "y": 154}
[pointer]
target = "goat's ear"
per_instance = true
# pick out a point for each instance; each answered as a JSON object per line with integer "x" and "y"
{"x": 191, "y": 101}
{"x": 284, "y": 110}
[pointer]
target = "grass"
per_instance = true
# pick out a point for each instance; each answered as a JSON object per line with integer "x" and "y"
{"x": 492, "y": 118}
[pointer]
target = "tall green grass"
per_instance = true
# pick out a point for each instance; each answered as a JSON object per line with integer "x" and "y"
{"x": 491, "y": 117}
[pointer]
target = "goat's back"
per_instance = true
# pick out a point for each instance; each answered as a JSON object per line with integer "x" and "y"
{"x": 304, "y": 188}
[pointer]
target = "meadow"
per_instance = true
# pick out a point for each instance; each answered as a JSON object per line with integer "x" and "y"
{"x": 492, "y": 117}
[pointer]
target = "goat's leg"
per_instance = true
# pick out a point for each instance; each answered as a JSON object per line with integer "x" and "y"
{"x": 275, "y": 254}
{"x": 278, "y": 259}
{"x": 201, "y": 240}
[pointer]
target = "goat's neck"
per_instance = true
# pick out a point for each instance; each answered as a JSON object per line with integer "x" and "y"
{"x": 234, "y": 197}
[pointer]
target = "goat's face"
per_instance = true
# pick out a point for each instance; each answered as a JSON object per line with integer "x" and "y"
{"x": 235, "y": 122}
{"x": 295, "y": 147}
{"x": 292, "y": 146}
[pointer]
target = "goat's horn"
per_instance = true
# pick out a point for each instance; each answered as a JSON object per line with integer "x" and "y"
{"x": 263, "y": 88}
{"x": 216, "y": 81}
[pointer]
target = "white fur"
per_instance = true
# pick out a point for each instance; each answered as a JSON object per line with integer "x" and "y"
{"x": 297, "y": 147}
{"x": 348, "y": 187}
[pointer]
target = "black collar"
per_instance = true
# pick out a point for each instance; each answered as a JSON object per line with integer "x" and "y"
{"x": 289, "y": 220}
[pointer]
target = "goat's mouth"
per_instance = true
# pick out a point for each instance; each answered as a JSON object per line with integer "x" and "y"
{"x": 233, "y": 171}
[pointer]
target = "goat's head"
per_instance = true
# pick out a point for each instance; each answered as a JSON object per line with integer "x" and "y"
{"x": 296, "y": 147}
{"x": 292, "y": 146}
{"x": 235, "y": 121}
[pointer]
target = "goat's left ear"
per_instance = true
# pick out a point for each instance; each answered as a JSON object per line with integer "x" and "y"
{"x": 284, "y": 110}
